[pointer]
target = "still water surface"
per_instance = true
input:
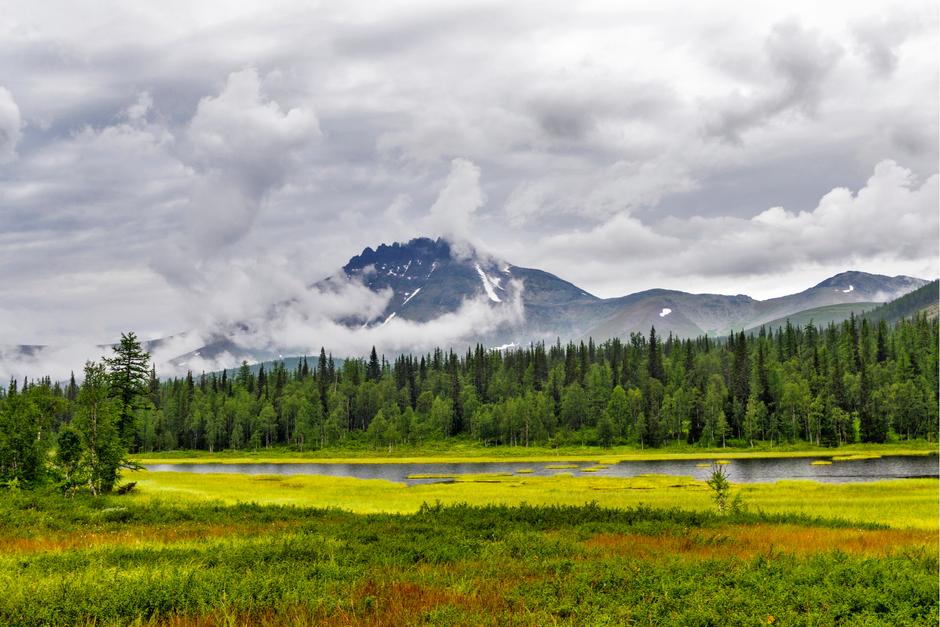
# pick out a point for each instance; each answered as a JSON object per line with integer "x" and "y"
{"x": 753, "y": 470}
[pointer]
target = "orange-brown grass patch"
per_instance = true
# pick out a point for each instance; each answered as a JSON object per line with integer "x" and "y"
{"x": 134, "y": 535}
{"x": 747, "y": 541}
{"x": 405, "y": 602}
{"x": 376, "y": 603}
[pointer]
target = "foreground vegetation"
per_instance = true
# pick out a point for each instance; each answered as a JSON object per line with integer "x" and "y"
{"x": 117, "y": 560}
{"x": 203, "y": 549}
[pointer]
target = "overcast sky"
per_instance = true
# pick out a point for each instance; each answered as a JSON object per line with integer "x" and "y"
{"x": 162, "y": 164}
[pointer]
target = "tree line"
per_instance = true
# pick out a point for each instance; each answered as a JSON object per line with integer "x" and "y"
{"x": 848, "y": 382}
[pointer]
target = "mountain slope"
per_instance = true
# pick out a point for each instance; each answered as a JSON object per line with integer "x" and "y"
{"x": 922, "y": 301}
{"x": 818, "y": 316}
{"x": 846, "y": 287}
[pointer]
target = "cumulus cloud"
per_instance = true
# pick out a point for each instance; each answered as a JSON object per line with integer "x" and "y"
{"x": 893, "y": 218}
{"x": 9, "y": 125}
{"x": 893, "y": 214}
{"x": 243, "y": 144}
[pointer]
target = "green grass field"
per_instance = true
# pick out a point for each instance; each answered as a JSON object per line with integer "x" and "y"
{"x": 120, "y": 561}
{"x": 243, "y": 550}
{"x": 907, "y": 503}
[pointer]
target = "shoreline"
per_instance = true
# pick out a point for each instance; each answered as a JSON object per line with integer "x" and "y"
{"x": 518, "y": 454}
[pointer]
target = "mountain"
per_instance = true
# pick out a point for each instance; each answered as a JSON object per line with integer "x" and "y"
{"x": 922, "y": 301}
{"x": 429, "y": 278}
{"x": 424, "y": 279}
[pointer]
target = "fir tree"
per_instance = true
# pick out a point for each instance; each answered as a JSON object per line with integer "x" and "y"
{"x": 128, "y": 375}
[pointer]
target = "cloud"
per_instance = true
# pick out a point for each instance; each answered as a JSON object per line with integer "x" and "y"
{"x": 620, "y": 237}
{"x": 798, "y": 60}
{"x": 141, "y": 141}
{"x": 460, "y": 197}
{"x": 243, "y": 144}
{"x": 621, "y": 186}
{"x": 318, "y": 317}
{"x": 892, "y": 215}
{"x": 892, "y": 218}
{"x": 139, "y": 110}
{"x": 9, "y": 125}
{"x": 878, "y": 38}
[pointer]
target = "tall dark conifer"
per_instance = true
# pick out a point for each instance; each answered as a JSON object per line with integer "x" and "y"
{"x": 655, "y": 358}
{"x": 128, "y": 376}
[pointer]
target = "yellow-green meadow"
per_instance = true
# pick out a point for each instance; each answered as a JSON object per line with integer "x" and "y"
{"x": 905, "y": 503}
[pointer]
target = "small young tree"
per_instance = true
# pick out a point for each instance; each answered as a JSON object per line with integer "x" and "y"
{"x": 721, "y": 487}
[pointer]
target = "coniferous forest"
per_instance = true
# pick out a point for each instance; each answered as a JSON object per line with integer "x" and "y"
{"x": 846, "y": 383}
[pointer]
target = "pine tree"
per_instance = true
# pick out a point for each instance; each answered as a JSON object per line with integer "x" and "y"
{"x": 655, "y": 362}
{"x": 128, "y": 376}
{"x": 373, "y": 370}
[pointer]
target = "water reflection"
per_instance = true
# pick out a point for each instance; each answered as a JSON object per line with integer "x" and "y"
{"x": 754, "y": 470}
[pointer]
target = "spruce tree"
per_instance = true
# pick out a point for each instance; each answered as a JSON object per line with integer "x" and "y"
{"x": 373, "y": 370}
{"x": 128, "y": 376}
{"x": 655, "y": 363}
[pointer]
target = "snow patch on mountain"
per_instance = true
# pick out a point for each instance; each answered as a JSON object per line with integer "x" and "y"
{"x": 505, "y": 347}
{"x": 389, "y": 319}
{"x": 488, "y": 285}
{"x": 851, "y": 289}
{"x": 413, "y": 294}
{"x": 665, "y": 312}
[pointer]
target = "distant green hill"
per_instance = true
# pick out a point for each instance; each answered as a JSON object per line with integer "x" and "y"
{"x": 820, "y": 316}
{"x": 922, "y": 300}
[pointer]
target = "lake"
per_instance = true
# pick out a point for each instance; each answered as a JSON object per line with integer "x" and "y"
{"x": 753, "y": 470}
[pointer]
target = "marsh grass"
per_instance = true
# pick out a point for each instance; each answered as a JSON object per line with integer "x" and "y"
{"x": 857, "y": 456}
{"x": 201, "y": 563}
{"x": 899, "y": 503}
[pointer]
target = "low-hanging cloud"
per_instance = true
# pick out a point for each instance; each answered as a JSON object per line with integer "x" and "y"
{"x": 319, "y": 317}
